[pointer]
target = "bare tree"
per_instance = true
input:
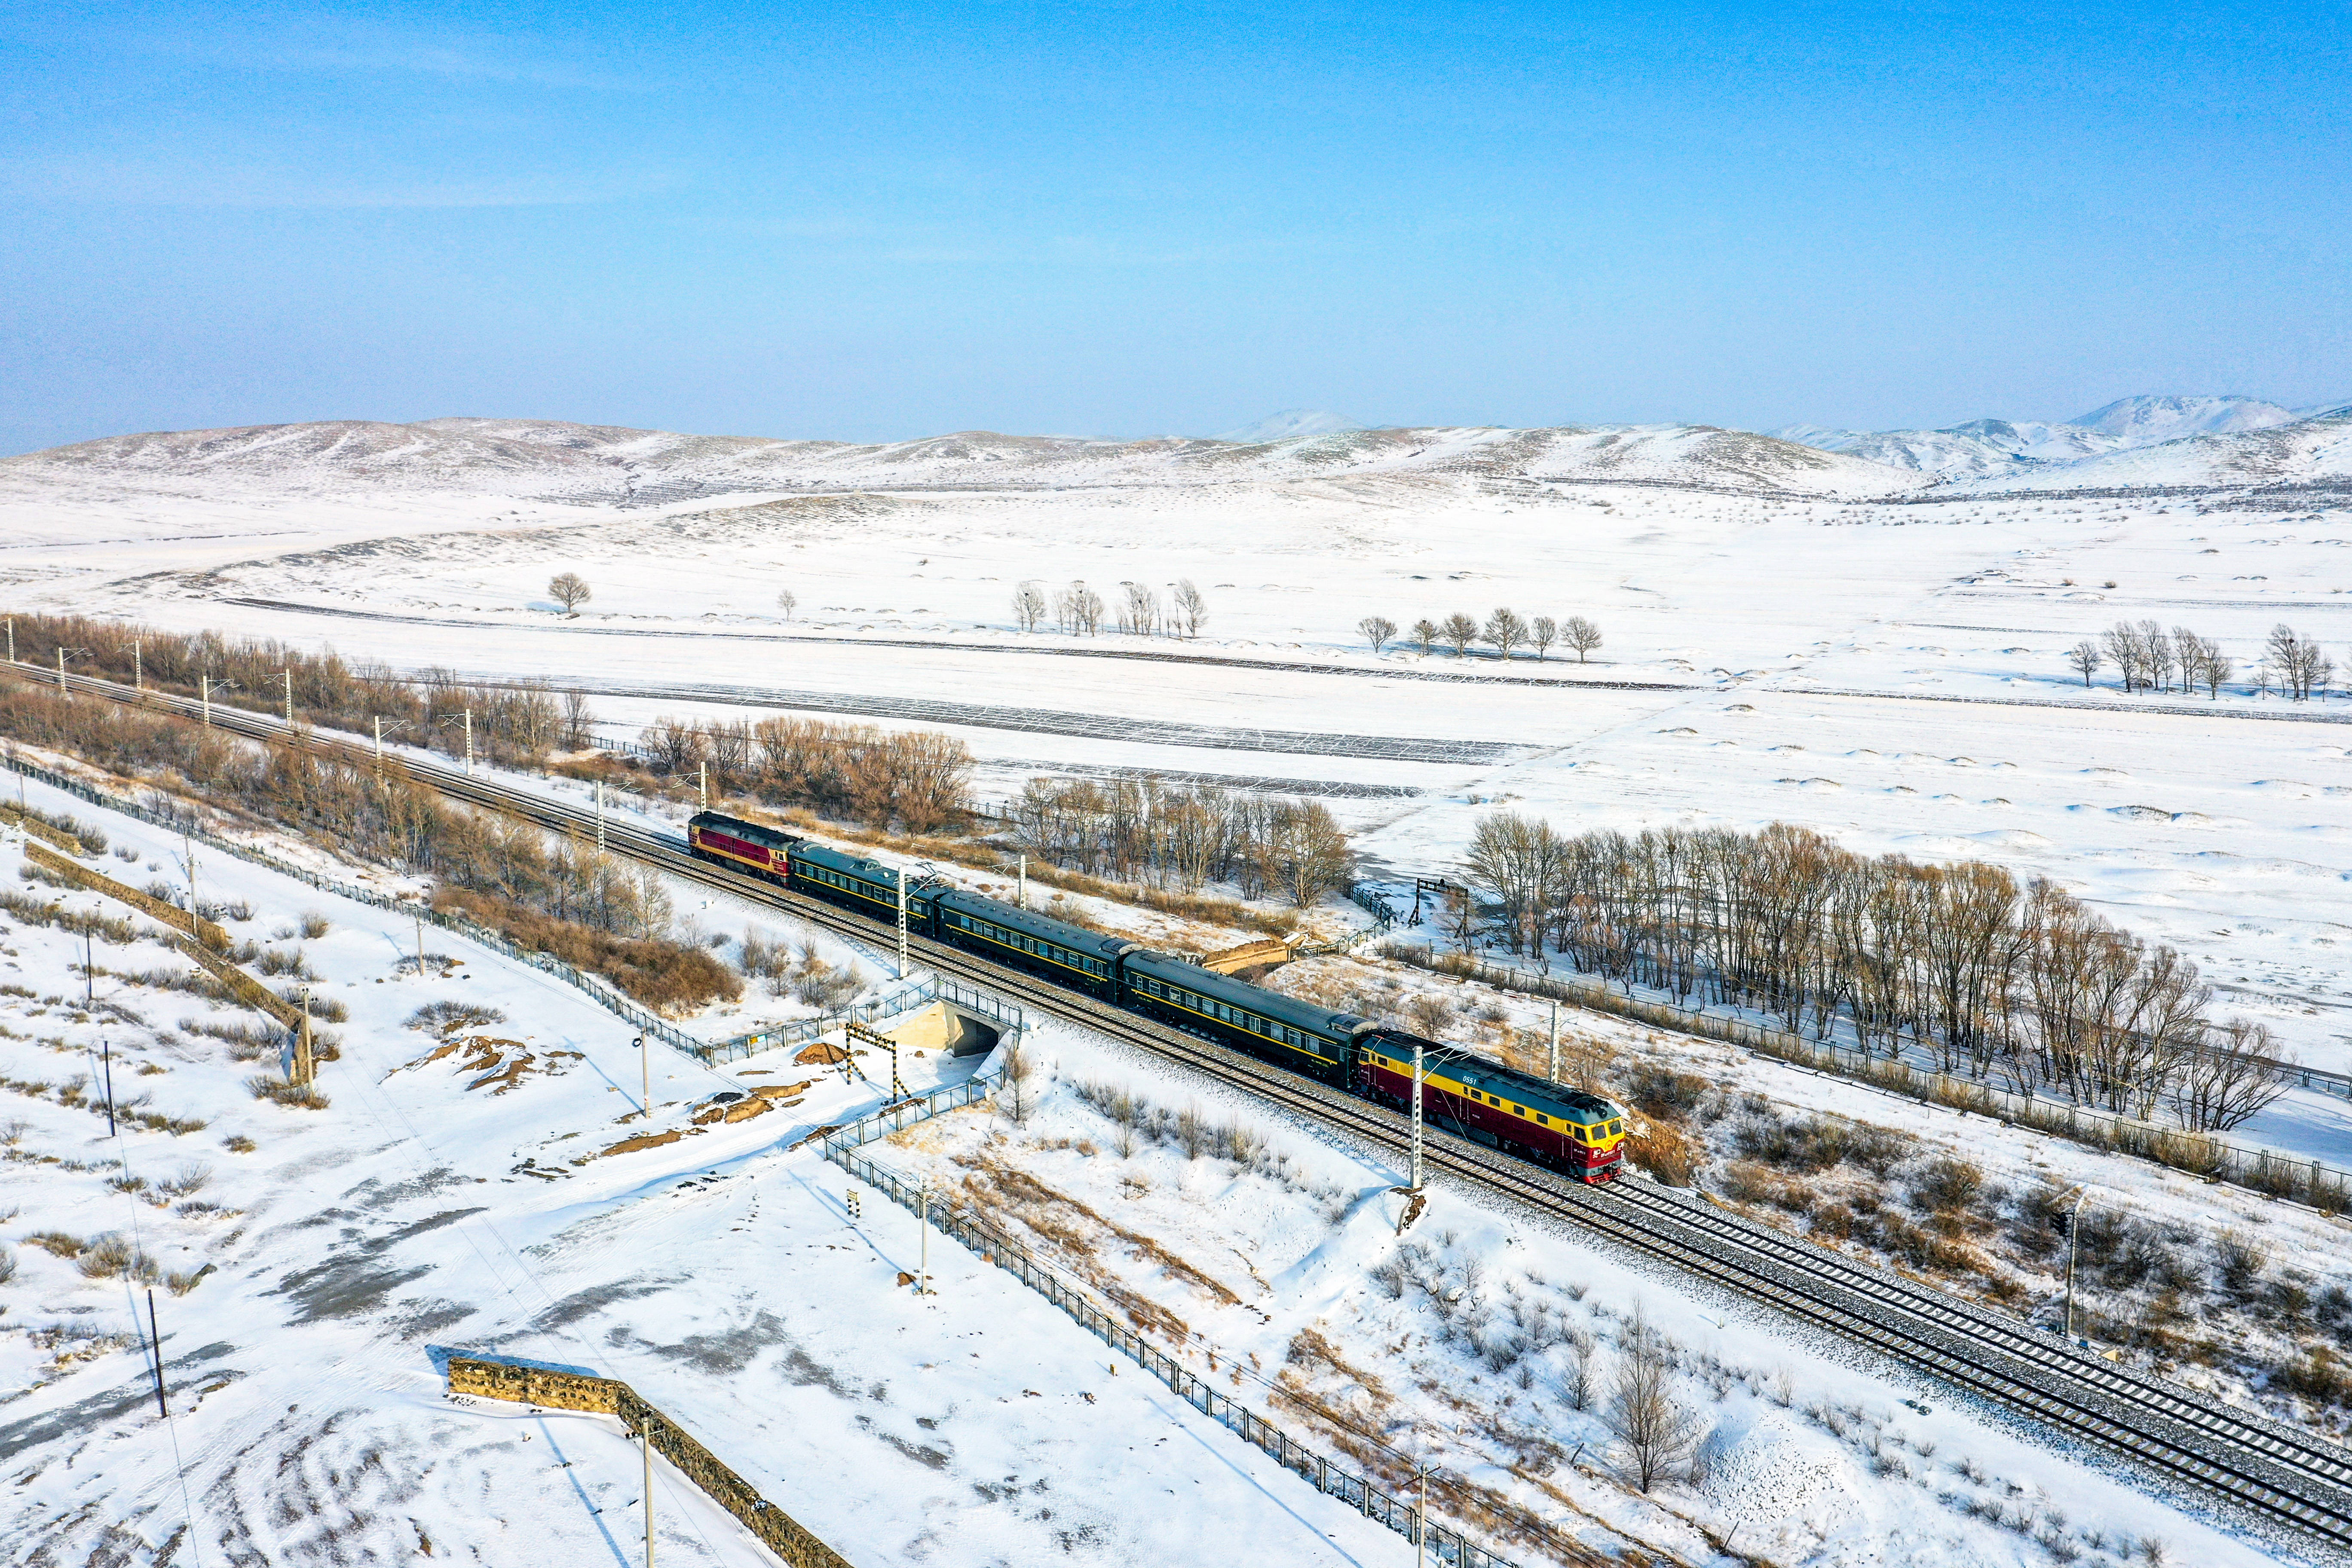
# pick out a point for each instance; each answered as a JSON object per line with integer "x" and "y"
{"x": 2123, "y": 647}
{"x": 1575, "y": 1386}
{"x": 1543, "y": 631}
{"x": 2295, "y": 663}
{"x": 1080, "y": 610}
{"x": 2230, "y": 1082}
{"x": 1019, "y": 1072}
{"x": 2156, "y": 653}
{"x": 1424, "y": 631}
{"x": 1461, "y": 630}
{"x": 787, "y": 600}
{"x": 1029, "y": 606}
{"x": 1191, "y": 607}
{"x": 1377, "y": 630}
{"x": 579, "y": 723}
{"x": 570, "y": 590}
{"x": 1581, "y": 634}
{"x": 1138, "y": 609}
{"x": 2086, "y": 658}
{"x": 1660, "y": 1434}
{"x": 1506, "y": 630}
{"x": 2214, "y": 668}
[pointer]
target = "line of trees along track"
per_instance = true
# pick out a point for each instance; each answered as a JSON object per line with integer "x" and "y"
{"x": 2274, "y": 1473}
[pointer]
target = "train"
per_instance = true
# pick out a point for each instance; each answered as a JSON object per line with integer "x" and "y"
{"x": 1582, "y": 1135}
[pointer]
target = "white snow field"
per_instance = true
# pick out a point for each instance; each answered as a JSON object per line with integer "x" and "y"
{"x": 434, "y": 1205}
{"x": 1790, "y": 634}
{"x": 439, "y": 1202}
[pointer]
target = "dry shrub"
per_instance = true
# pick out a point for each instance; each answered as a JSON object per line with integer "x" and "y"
{"x": 112, "y": 1256}
{"x": 1662, "y": 1093}
{"x": 668, "y": 978}
{"x": 295, "y": 1096}
{"x": 1666, "y": 1151}
{"x": 56, "y": 1243}
{"x": 1948, "y": 1186}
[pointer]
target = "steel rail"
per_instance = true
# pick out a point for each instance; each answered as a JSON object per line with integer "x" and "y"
{"x": 2279, "y": 1473}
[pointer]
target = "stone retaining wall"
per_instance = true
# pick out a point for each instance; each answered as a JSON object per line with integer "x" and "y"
{"x": 609, "y": 1396}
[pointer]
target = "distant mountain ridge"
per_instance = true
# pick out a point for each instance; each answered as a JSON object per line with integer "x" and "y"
{"x": 604, "y": 464}
{"x": 1292, "y": 422}
{"x": 2233, "y": 441}
{"x": 1990, "y": 448}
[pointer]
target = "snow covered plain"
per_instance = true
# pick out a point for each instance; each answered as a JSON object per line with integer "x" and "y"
{"x": 436, "y": 1203}
{"x": 440, "y": 1203}
{"x": 1792, "y": 635}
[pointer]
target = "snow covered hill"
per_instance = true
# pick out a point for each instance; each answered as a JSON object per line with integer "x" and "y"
{"x": 2307, "y": 451}
{"x": 2144, "y": 421}
{"x": 1979, "y": 448}
{"x": 2007, "y": 448}
{"x": 1292, "y": 422}
{"x": 545, "y": 460}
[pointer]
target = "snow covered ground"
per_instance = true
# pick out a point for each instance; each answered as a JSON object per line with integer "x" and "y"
{"x": 446, "y": 1201}
{"x": 439, "y": 1204}
{"x": 1889, "y": 670}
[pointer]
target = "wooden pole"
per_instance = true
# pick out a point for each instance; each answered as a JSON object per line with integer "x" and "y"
{"x": 645, "y": 1435}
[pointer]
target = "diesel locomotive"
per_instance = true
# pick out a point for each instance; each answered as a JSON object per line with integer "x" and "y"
{"x": 1501, "y": 1107}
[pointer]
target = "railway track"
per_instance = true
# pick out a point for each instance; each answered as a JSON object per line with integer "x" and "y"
{"x": 2272, "y": 1472}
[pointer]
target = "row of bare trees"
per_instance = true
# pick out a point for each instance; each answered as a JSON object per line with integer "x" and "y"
{"x": 1146, "y": 830}
{"x": 510, "y": 723}
{"x": 1138, "y": 611}
{"x": 372, "y": 818}
{"x": 2147, "y": 659}
{"x": 915, "y": 780}
{"x": 1506, "y": 631}
{"x": 1961, "y": 962}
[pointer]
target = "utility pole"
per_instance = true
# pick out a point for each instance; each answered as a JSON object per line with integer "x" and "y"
{"x": 645, "y": 1065}
{"x": 902, "y": 923}
{"x": 1024, "y": 883}
{"x": 12, "y": 639}
{"x": 469, "y": 743}
{"x": 1555, "y": 1042}
{"x": 204, "y": 696}
{"x": 379, "y": 745}
{"x": 138, "y": 676}
{"x": 2073, "y": 1227}
{"x": 154, "y": 1338}
{"x": 923, "y": 1266}
{"x": 106, "y": 1055}
{"x": 61, "y": 672}
{"x": 1416, "y": 1117}
{"x": 702, "y": 785}
{"x": 289, "y": 674}
{"x": 1421, "y": 1521}
{"x": 600, "y": 817}
{"x": 88, "y": 976}
{"x": 645, "y": 1435}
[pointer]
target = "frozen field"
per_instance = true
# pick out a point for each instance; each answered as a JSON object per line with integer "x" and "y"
{"x": 1885, "y": 667}
{"x": 442, "y": 1201}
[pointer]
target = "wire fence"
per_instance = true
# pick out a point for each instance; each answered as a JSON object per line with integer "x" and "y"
{"x": 595, "y": 987}
{"x": 1332, "y": 1478}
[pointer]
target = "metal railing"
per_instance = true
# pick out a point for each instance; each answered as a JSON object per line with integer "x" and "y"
{"x": 1352, "y": 1487}
{"x": 1010, "y": 1020}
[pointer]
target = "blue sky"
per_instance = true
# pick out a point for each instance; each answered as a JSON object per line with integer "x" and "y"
{"x": 873, "y": 221}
